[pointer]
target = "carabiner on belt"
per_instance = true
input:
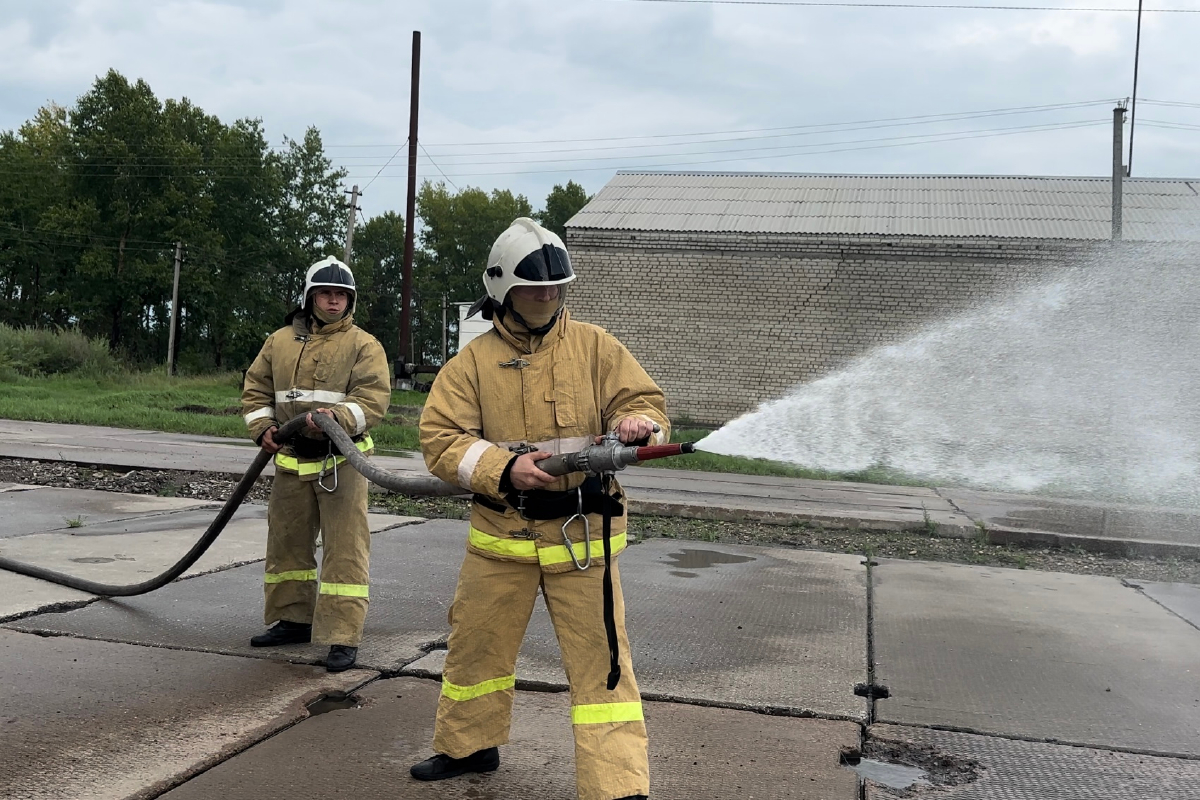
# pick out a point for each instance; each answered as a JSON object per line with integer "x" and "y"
{"x": 587, "y": 534}
{"x": 324, "y": 467}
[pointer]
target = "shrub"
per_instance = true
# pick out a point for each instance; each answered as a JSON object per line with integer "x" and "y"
{"x": 34, "y": 352}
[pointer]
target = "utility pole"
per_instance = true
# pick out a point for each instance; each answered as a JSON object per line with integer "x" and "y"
{"x": 1118, "y": 171}
{"x": 174, "y": 311}
{"x": 1137, "y": 51}
{"x": 444, "y": 330}
{"x": 410, "y": 213}
{"x": 350, "y": 223}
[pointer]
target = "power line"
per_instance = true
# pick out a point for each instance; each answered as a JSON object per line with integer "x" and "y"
{"x": 648, "y": 167}
{"x": 439, "y": 169}
{"x": 956, "y": 6}
{"x": 1042, "y": 126}
{"x": 381, "y": 169}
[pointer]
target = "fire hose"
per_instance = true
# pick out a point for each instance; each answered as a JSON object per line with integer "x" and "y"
{"x": 599, "y": 459}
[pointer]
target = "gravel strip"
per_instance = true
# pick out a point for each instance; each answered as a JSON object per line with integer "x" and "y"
{"x": 805, "y": 536}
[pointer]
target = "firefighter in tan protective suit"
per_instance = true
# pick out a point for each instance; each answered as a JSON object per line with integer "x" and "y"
{"x": 320, "y": 363}
{"x": 551, "y": 383}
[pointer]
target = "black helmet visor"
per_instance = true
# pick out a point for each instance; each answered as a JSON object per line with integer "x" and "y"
{"x": 549, "y": 263}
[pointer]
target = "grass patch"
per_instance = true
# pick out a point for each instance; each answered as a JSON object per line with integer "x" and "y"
{"x": 209, "y": 405}
{"x": 205, "y": 405}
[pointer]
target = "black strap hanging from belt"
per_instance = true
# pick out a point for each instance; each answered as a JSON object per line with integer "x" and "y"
{"x": 610, "y": 622}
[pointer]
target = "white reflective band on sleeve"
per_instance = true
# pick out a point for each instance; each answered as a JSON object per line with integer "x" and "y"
{"x": 260, "y": 414}
{"x": 466, "y": 467}
{"x": 360, "y": 421}
{"x": 309, "y": 396}
{"x": 556, "y": 446}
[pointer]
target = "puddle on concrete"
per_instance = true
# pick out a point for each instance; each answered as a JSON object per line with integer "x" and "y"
{"x": 894, "y": 776}
{"x": 702, "y": 559}
{"x": 335, "y": 701}
{"x": 680, "y": 574}
{"x": 93, "y": 560}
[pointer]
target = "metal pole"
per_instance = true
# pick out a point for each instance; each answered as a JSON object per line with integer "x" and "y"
{"x": 1118, "y": 172}
{"x": 174, "y": 311}
{"x": 411, "y": 210}
{"x": 444, "y": 330}
{"x": 350, "y": 224}
{"x": 1137, "y": 49}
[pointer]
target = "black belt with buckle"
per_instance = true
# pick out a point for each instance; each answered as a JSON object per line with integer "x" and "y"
{"x": 543, "y": 504}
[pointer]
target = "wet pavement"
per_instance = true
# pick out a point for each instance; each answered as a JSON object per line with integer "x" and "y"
{"x": 753, "y": 662}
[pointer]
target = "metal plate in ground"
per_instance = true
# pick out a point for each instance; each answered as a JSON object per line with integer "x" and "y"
{"x": 101, "y": 720}
{"x": 1041, "y": 655}
{"x": 413, "y": 572}
{"x": 1015, "y": 770}
{"x": 1179, "y": 598}
{"x": 43, "y": 508}
{"x": 742, "y": 626}
{"x": 695, "y": 753}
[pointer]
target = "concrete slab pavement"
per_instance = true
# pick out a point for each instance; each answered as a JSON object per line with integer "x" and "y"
{"x": 991, "y": 768}
{"x": 36, "y": 509}
{"x": 1044, "y": 656}
{"x": 86, "y": 719}
{"x": 1182, "y": 599}
{"x": 694, "y": 753}
{"x": 757, "y": 628}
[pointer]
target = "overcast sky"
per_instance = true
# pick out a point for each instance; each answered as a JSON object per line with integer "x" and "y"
{"x": 504, "y": 84}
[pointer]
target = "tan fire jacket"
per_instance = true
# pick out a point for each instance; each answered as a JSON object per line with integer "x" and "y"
{"x": 340, "y": 367}
{"x": 579, "y": 382}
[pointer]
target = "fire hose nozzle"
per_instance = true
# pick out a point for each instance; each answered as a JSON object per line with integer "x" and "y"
{"x": 609, "y": 456}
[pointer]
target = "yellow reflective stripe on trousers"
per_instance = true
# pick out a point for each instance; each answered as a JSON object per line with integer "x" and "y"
{"x": 344, "y": 589}
{"x": 314, "y": 467}
{"x": 606, "y": 712}
{"x": 293, "y": 575}
{"x": 456, "y": 692}
{"x": 518, "y": 548}
{"x": 559, "y": 555}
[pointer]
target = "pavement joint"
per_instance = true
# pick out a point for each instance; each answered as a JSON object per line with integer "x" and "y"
{"x": 1015, "y": 737}
{"x": 1137, "y": 587}
{"x": 53, "y": 608}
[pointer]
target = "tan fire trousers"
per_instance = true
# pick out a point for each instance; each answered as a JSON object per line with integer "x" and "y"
{"x": 336, "y": 605}
{"x": 491, "y": 609}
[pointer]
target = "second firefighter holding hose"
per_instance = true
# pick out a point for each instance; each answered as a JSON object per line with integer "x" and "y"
{"x": 539, "y": 384}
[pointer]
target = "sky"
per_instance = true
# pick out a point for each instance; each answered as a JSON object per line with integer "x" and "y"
{"x": 526, "y": 94}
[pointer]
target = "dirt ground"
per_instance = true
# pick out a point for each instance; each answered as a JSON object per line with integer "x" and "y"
{"x": 879, "y": 544}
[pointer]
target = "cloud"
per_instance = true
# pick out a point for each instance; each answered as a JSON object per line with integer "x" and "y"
{"x": 538, "y": 70}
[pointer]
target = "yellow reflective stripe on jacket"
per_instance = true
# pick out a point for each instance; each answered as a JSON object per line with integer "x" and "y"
{"x": 521, "y": 548}
{"x": 314, "y": 467}
{"x": 293, "y": 575}
{"x": 344, "y": 589}
{"x": 460, "y": 693}
{"x": 559, "y": 555}
{"x": 606, "y": 712}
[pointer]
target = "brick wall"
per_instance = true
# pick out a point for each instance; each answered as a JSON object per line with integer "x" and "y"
{"x": 724, "y": 321}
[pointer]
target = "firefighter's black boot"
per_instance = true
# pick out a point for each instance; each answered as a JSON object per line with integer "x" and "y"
{"x": 441, "y": 766}
{"x": 341, "y": 658}
{"x": 284, "y": 632}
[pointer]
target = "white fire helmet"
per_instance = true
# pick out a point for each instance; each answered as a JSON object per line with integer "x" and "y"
{"x": 526, "y": 254}
{"x": 329, "y": 272}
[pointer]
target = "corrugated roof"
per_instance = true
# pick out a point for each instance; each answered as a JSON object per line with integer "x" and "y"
{"x": 1155, "y": 209}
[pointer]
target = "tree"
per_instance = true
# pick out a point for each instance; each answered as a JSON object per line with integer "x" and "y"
{"x": 562, "y": 203}
{"x": 457, "y": 233}
{"x": 378, "y": 264}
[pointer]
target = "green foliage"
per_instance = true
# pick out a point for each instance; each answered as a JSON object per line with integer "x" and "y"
{"x": 457, "y": 234}
{"x": 34, "y": 352}
{"x": 562, "y": 203}
{"x": 95, "y": 197}
{"x": 378, "y": 264}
